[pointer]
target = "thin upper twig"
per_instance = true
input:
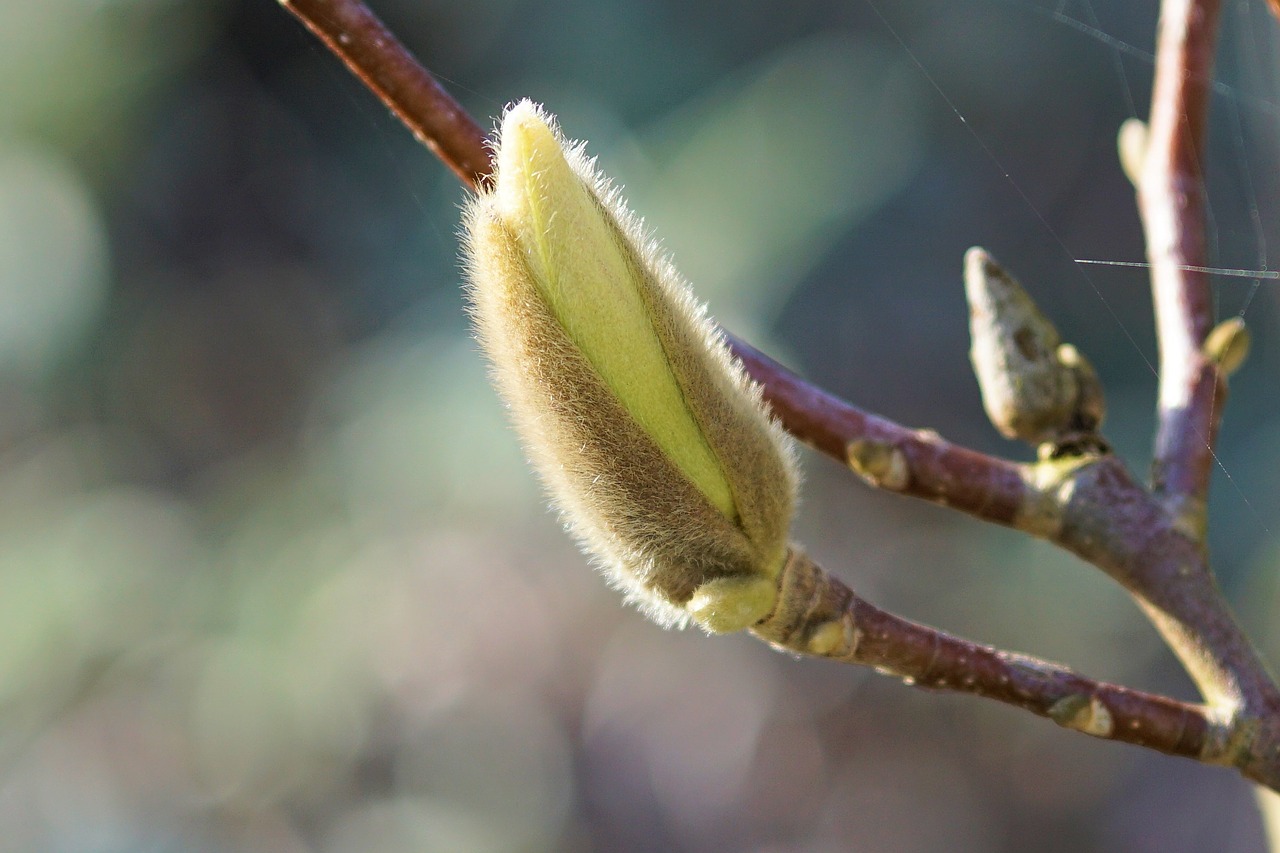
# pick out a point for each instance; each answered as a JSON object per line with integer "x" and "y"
{"x": 1172, "y": 206}
{"x": 1171, "y": 203}
{"x": 356, "y": 36}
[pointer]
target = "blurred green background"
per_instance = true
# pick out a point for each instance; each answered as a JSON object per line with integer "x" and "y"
{"x": 273, "y": 575}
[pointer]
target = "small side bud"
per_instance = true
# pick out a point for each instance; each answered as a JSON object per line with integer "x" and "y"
{"x": 1228, "y": 345}
{"x": 1084, "y": 714}
{"x": 832, "y": 639}
{"x": 1131, "y": 143}
{"x": 1034, "y": 387}
{"x": 654, "y": 445}
{"x": 882, "y": 465}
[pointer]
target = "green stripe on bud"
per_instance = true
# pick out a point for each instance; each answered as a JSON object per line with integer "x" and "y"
{"x": 651, "y": 440}
{"x": 592, "y": 289}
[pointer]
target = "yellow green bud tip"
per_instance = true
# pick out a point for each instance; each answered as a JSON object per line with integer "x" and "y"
{"x": 650, "y": 438}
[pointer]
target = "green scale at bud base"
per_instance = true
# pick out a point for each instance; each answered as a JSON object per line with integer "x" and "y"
{"x": 654, "y": 445}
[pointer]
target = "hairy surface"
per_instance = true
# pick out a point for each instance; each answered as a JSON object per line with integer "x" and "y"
{"x": 650, "y": 439}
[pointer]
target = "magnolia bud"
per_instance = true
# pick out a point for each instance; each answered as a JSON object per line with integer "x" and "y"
{"x": 650, "y": 439}
{"x": 1034, "y": 387}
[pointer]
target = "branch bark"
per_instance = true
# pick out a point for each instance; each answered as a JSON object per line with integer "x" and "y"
{"x": 917, "y": 463}
{"x": 356, "y": 36}
{"x": 1150, "y": 542}
{"x": 989, "y": 488}
{"x": 836, "y": 623}
{"x": 1171, "y": 203}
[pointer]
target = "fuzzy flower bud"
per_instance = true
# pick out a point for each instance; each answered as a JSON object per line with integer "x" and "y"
{"x": 649, "y": 437}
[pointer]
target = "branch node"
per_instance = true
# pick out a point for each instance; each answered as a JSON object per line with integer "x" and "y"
{"x": 879, "y": 463}
{"x": 1189, "y": 515}
{"x": 811, "y": 611}
{"x": 1083, "y": 713}
{"x": 1051, "y": 483}
{"x": 837, "y": 638}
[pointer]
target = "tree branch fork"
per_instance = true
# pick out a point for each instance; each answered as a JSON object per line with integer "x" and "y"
{"x": 1077, "y": 495}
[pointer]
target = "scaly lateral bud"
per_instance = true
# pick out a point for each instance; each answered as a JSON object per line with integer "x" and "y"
{"x": 651, "y": 440}
{"x": 1034, "y": 387}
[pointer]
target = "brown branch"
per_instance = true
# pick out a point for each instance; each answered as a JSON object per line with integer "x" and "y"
{"x": 987, "y": 488}
{"x": 1087, "y": 505}
{"x": 357, "y": 37}
{"x": 918, "y": 463}
{"x": 829, "y": 620}
{"x": 1112, "y": 522}
{"x": 1171, "y": 203}
{"x": 1167, "y": 561}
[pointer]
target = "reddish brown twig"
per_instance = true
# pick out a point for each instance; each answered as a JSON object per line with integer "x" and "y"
{"x": 989, "y": 488}
{"x": 928, "y": 466}
{"x": 1171, "y": 203}
{"x": 935, "y": 660}
{"x": 1088, "y": 505}
{"x": 362, "y": 41}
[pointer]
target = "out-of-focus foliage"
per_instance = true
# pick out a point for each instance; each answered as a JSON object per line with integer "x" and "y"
{"x": 273, "y": 575}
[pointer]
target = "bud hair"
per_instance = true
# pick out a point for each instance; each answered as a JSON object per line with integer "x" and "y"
{"x": 650, "y": 439}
